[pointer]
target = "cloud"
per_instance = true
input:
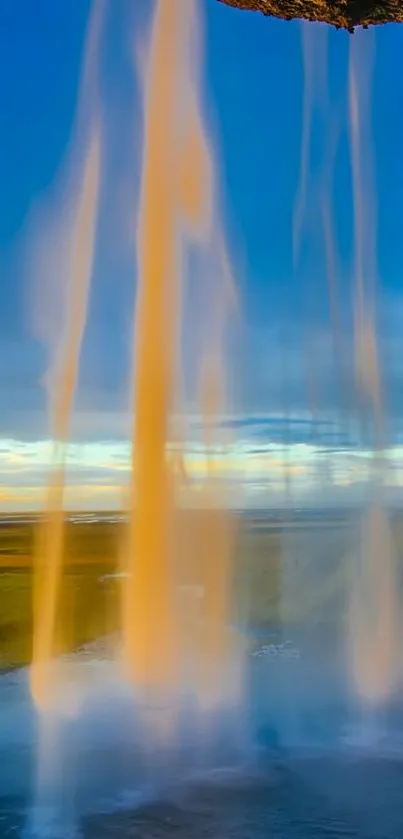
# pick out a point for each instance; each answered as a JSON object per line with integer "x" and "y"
{"x": 252, "y": 454}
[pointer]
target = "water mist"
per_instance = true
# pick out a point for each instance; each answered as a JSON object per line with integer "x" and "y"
{"x": 175, "y": 679}
{"x": 176, "y": 210}
{"x": 374, "y": 606}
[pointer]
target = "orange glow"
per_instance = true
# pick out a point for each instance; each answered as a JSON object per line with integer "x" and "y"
{"x": 50, "y": 543}
{"x": 149, "y": 627}
{"x": 176, "y": 199}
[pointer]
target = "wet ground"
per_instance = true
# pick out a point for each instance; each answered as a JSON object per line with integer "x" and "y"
{"x": 327, "y": 797}
{"x": 300, "y": 760}
{"x": 324, "y": 797}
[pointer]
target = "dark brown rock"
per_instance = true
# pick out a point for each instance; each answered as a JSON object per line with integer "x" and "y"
{"x": 346, "y": 14}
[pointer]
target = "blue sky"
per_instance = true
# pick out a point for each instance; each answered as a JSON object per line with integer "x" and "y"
{"x": 253, "y": 94}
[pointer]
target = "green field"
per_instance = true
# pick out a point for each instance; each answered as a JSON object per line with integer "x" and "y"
{"x": 89, "y": 606}
{"x": 300, "y": 572}
{"x": 90, "y": 598}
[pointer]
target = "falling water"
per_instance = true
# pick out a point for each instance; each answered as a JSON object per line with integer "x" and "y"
{"x": 374, "y": 591}
{"x": 176, "y": 209}
{"x": 215, "y": 539}
{"x": 51, "y": 543}
{"x": 53, "y": 810}
{"x": 149, "y": 615}
{"x": 372, "y": 625}
{"x": 62, "y": 381}
{"x": 304, "y": 576}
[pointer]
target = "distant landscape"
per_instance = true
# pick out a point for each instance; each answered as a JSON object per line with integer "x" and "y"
{"x": 288, "y": 569}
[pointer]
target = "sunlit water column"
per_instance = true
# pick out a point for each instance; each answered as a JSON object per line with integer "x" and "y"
{"x": 176, "y": 203}
{"x": 374, "y": 600}
{"x": 50, "y": 549}
{"x": 53, "y": 809}
{"x": 47, "y": 674}
{"x": 149, "y": 634}
{"x": 177, "y": 211}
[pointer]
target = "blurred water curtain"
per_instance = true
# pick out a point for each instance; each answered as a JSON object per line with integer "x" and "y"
{"x": 372, "y": 588}
{"x": 178, "y": 534}
{"x": 179, "y": 226}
